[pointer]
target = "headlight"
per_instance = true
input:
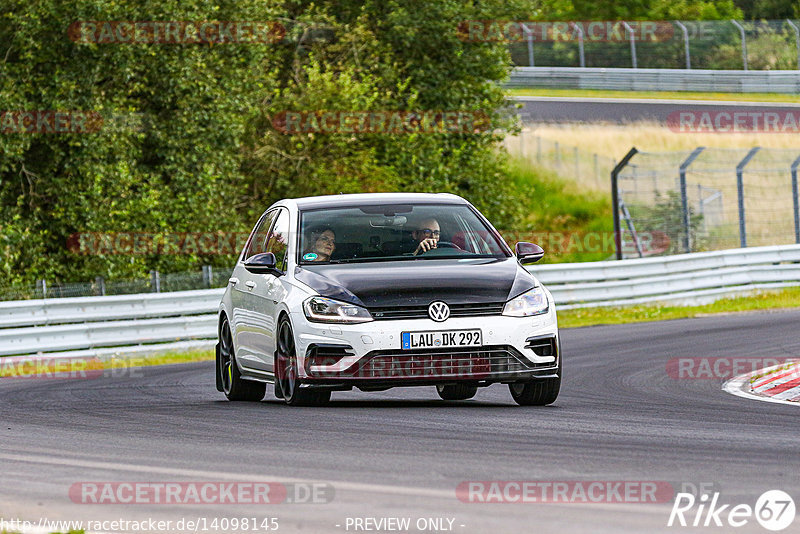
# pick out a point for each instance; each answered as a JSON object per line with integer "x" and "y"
{"x": 325, "y": 310}
{"x": 534, "y": 302}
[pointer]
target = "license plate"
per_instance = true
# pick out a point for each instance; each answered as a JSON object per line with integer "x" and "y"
{"x": 441, "y": 339}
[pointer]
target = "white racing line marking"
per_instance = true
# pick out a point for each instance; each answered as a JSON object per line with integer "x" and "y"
{"x": 605, "y": 100}
{"x": 740, "y": 386}
{"x": 649, "y": 508}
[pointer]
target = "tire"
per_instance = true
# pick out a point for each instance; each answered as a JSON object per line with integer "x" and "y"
{"x": 287, "y": 382}
{"x": 230, "y": 379}
{"x": 536, "y": 393}
{"x": 456, "y": 392}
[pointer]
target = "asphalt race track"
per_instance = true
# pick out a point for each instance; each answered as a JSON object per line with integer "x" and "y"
{"x": 402, "y": 453}
{"x": 536, "y": 109}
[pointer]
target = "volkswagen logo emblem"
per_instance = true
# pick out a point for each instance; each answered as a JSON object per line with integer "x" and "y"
{"x": 438, "y": 311}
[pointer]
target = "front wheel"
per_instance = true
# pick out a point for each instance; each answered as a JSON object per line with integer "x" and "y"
{"x": 454, "y": 392}
{"x": 537, "y": 392}
{"x": 287, "y": 382}
{"x": 233, "y": 385}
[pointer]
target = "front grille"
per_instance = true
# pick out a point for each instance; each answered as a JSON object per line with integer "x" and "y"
{"x": 473, "y": 364}
{"x": 421, "y": 312}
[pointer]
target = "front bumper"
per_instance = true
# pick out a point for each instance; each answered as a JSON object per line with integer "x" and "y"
{"x": 369, "y": 354}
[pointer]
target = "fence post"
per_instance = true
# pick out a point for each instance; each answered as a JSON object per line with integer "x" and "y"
{"x": 558, "y": 156}
{"x": 41, "y": 285}
{"x": 615, "y": 198}
{"x": 521, "y": 144}
{"x": 744, "y": 43}
{"x": 796, "y": 201}
{"x": 796, "y": 40}
{"x": 155, "y": 282}
{"x": 633, "y": 43}
{"x": 529, "y": 38}
{"x": 101, "y": 285}
{"x": 577, "y": 163}
{"x": 687, "y": 246}
{"x": 539, "y": 148}
{"x": 207, "y": 276}
{"x": 596, "y": 173}
{"x": 740, "y": 193}
{"x": 580, "y": 44}
{"x": 685, "y": 44}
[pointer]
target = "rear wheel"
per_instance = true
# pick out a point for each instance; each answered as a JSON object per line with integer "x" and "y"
{"x": 536, "y": 393}
{"x": 452, "y": 392}
{"x": 233, "y": 385}
{"x": 287, "y": 382}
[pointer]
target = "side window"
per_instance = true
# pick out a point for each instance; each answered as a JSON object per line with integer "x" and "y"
{"x": 279, "y": 240}
{"x": 258, "y": 239}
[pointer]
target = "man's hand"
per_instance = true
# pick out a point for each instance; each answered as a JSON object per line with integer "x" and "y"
{"x": 425, "y": 245}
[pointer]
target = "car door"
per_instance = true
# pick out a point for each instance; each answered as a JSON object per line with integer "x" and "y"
{"x": 270, "y": 290}
{"x": 245, "y": 321}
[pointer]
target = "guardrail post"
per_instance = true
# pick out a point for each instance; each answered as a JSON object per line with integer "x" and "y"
{"x": 687, "y": 246}
{"x": 796, "y": 40}
{"x": 633, "y": 43}
{"x": 685, "y": 44}
{"x": 615, "y": 198}
{"x": 580, "y": 44}
{"x": 744, "y": 43}
{"x": 100, "y": 282}
{"x": 207, "y": 276}
{"x": 796, "y": 201}
{"x": 740, "y": 192}
{"x": 155, "y": 282}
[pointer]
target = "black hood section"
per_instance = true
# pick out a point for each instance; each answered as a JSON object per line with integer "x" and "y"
{"x": 419, "y": 282}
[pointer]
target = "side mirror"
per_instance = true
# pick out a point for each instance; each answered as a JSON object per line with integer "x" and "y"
{"x": 263, "y": 263}
{"x": 528, "y": 252}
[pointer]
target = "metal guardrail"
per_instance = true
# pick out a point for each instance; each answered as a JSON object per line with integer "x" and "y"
{"x": 157, "y": 321}
{"x": 683, "y": 279}
{"x": 726, "y": 81}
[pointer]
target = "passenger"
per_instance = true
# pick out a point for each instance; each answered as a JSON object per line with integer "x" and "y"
{"x": 321, "y": 243}
{"x": 426, "y": 235}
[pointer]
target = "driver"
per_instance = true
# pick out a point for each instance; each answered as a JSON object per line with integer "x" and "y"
{"x": 426, "y": 235}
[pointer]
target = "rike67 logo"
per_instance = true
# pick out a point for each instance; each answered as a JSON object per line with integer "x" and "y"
{"x": 774, "y": 510}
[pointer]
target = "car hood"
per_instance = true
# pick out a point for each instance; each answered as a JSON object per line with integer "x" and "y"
{"x": 420, "y": 282}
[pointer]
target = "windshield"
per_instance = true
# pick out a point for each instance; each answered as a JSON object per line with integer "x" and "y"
{"x": 395, "y": 232}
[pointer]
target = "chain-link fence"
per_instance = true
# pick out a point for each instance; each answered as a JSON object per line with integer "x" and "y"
{"x": 733, "y": 45}
{"x": 710, "y": 198}
{"x": 589, "y": 169}
{"x": 156, "y": 282}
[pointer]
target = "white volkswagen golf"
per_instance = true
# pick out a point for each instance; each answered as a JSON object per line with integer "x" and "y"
{"x": 376, "y": 291}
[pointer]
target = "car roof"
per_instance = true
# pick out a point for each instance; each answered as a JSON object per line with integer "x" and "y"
{"x": 372, "y": 199}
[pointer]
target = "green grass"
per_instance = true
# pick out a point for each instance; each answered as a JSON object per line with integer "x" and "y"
{"x": 123, "y": 362}
{"x": 570, "y": 224}
{"x": 763, "y": 300}
{"x": 674, "y": 95}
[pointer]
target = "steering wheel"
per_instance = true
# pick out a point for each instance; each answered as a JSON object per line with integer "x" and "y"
{"x": 442, "y": 245}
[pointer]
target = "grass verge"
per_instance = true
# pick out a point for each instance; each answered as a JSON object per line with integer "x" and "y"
{"x": 570, "y": 223}
{"x": 669, "y": 95}
{"x": 762, "y": 300}
{"x": 89, "y": 367}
